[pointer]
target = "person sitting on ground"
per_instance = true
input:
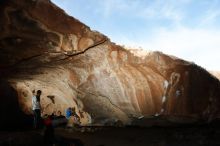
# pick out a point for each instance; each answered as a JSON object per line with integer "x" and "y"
{"x": 53, "y": 115}
{"x": 59, "y": 114}
{"x": 74, "y": 113}
{"x": 68, "y": 112}
{"x": 75, "y": 116}
{"x": 61, "y": 120}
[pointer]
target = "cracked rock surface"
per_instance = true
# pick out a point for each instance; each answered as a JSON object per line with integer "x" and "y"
{"x": 41, "y": 47}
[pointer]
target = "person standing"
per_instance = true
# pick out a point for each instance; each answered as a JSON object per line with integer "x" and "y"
{"x": 36, "y": 109}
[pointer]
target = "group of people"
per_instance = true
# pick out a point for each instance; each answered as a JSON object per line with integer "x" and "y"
{"x": 49, "y": 121}
{"x": 55, "y": 118}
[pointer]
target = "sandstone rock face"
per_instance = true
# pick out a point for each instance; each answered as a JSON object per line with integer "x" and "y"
{"x": 43, "y": 48}
{"x": 216, "y": 74}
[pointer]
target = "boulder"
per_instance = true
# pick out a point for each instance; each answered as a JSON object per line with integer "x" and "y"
{"x": 42, "y": 48}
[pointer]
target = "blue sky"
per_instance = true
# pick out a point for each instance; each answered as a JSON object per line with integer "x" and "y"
{"x": 189, "y": 29}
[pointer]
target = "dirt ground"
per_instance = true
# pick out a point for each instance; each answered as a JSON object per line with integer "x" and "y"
{"x": 202, "y": 135}
{"x": 154, "y": 136}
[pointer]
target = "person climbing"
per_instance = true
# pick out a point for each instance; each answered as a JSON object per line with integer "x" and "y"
{"x": 36, "y": 109}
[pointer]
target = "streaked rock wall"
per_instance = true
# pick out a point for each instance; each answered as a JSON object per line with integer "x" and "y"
{"x": 41, "y": 47}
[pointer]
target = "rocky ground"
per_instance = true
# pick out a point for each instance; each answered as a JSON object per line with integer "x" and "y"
{"x": 190, "y": 135}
